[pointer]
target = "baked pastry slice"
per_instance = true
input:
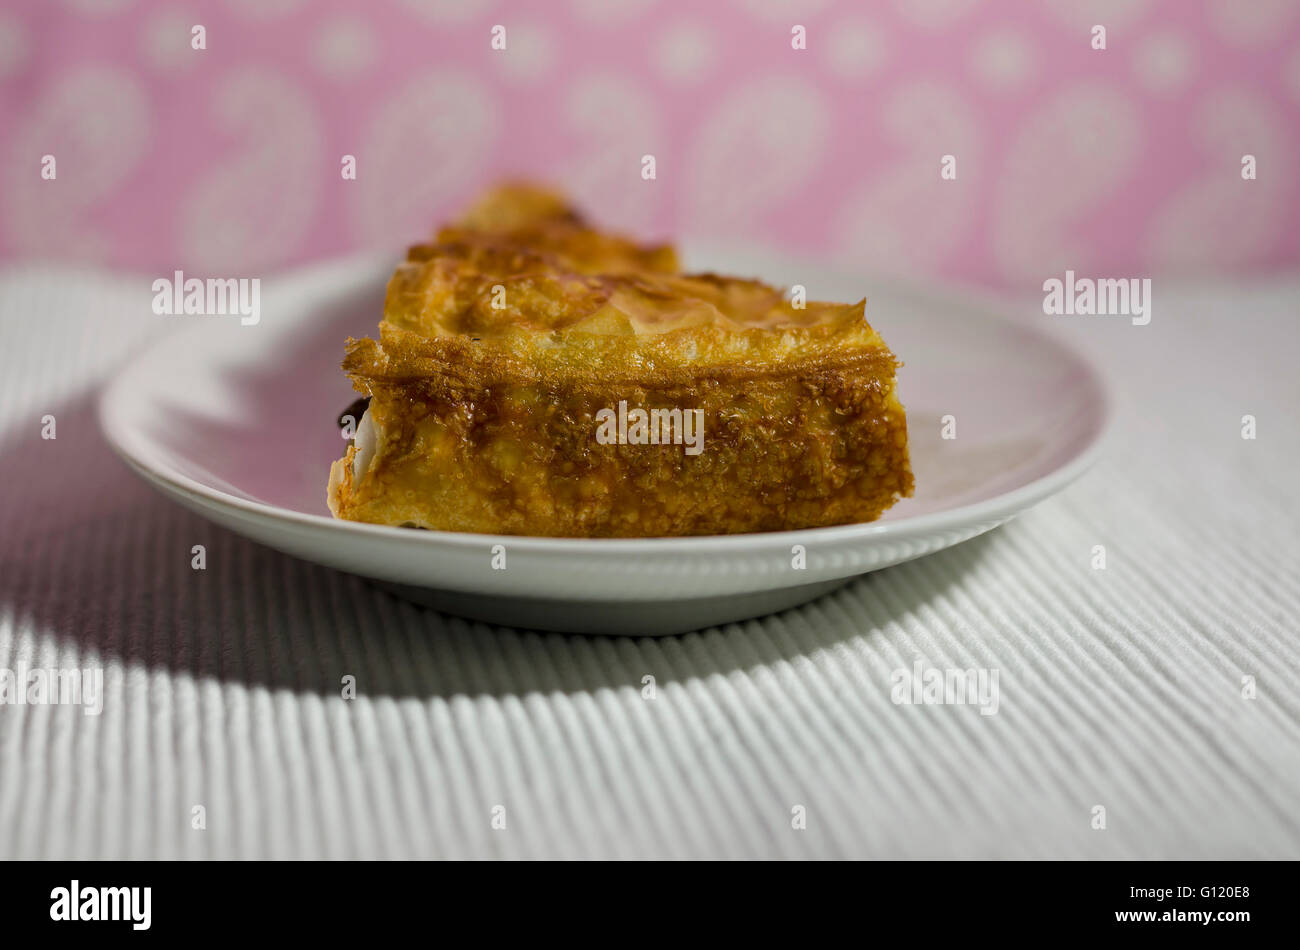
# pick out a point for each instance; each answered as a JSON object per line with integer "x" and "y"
{"x": 579, "y": 387}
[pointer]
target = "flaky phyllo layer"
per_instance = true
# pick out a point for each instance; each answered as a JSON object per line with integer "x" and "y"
{"x": 535, "y": 376}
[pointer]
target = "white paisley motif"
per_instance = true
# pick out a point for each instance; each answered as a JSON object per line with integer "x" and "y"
{"x": 756, "y": 148}
{"x": 856, "y": 48}
{"x": 1072, "y": 152}
{"x": 448, "y": 11}
{"x": 263, "y": 9}
{"x": 1252, "y": 23}
{"x": 344, "y": 47}
{"x": 908, "y": 218}
{"x": 428, "y": 143}
{"x": 1164, "y": 62}
{"x": 600, "y": 12}
{"x": 529, "y": 54}
{"x": 1004, "y": 60}
{"x": 617, "y": 124}
{"x": 95, "y": 122}
{"x": 166, "y": 37}
{"x": 1221, "y": 220}
{"x": 1291, "y": 74}
{"x": 14, "y": 45}
{"x": 783, "y": 11}
{"x": 254, "y": 204}
{"x": 1082, "y": 14}
{"x": 97, "y": 8}
{"x": 935, "y": 14}
{"x": 684, "y": 52}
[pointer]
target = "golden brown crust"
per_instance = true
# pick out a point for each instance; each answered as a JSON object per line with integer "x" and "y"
{"x": 501, "y": 349}
{"x": 529, "y": 218}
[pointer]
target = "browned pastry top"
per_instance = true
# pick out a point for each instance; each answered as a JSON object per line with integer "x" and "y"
{"x": 524, "y": 277}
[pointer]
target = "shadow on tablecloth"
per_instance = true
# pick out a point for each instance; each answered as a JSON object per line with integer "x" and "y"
{"x": 96, "y": 557}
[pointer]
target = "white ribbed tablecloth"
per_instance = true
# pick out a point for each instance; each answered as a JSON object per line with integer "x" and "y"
{"x": 1120, "y": 688}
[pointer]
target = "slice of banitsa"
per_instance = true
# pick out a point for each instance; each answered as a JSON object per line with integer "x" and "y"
{"x": 533, "y": 376}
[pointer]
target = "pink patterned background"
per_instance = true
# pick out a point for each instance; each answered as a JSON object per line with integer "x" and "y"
{"x": 226, "y": 160}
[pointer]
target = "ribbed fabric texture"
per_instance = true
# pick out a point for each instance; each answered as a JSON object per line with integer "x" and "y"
{"x": 1119, "y": 687}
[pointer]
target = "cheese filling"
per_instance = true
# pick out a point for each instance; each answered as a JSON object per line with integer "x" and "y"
{"x": 366, "y": 441}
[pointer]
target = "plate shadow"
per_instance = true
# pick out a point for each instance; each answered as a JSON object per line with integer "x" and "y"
{"x": 98, "y": 558}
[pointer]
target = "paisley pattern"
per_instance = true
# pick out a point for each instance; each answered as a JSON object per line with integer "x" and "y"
{"x": 425, "y": 146}
{"x": 754, "y": 150}
{"x": 94, "y": 122}
{"x": 910, "y": 218}
{"x": 1218, "y": 219}
{"x": 1070, "y": 156}
{"x": 613, "y": 123}
{"x": 254, "y": 201}
{"x": 228, "y": 158}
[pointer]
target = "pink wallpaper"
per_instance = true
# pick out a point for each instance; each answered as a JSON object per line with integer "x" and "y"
{"x": 227, "y": 159}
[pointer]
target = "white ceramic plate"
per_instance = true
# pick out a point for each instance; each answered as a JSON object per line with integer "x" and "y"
{"x": 238, "y": 423}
